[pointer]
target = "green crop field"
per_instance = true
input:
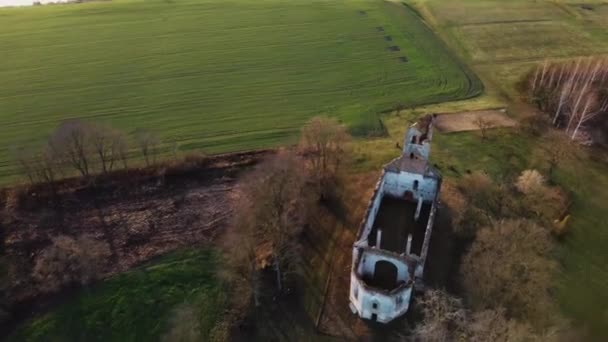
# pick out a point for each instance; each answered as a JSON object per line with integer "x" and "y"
{"x": 216, "y": 75}
{"x": 139, "y": 305}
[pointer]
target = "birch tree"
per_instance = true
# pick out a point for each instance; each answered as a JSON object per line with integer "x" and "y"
{"x": 576, "y": 95}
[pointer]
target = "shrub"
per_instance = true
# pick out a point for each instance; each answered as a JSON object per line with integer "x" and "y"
{"x": 509, "y": 265}
{"x": 548, "y": 203}
{"x": 536, "y": 124}
{"x": 68, "y": 261}
{"x": 530, "y": 181}
{"x": 487, "y": 201}
{"x": 444, "y": 317}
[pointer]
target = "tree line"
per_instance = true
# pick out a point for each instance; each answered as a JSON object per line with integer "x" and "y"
{"x": 84, "y": 148}
{"x": 277, "y": 201}
{"x": 507, "y": 273}
{"x": 574, "y": 93}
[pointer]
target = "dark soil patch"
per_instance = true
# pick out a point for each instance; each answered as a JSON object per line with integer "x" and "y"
{"x": 388, "y": 38}
{"x": 362, "y": 13}
{"x": 587, "y": 7}
{"x": 403, "y": 59}
{"x": 380, "y": 28}
{"x": 393, "y": 48}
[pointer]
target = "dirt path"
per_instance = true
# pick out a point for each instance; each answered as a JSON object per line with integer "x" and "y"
{"x": 468, "y": 121}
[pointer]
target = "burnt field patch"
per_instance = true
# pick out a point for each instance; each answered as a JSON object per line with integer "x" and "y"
{"x": 140, "y": 214}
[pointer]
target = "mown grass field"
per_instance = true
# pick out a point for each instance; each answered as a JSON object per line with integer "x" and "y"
{"x": 216, "y": 75}
{"x": 139, "y": 305}
{"x": 503, "y": 39}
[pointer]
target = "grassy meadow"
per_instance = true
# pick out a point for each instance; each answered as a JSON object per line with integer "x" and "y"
{"x": 243, "y": 74}
{"x": 216, "y": 75}
{"x": 502, "y": 41}
{"x": 139, "y": 305}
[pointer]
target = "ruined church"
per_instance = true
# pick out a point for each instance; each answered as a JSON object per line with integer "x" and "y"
{"x": 393, "y": 241}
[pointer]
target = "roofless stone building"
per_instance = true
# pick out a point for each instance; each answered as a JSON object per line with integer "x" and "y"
{"x": 393, "y": 240}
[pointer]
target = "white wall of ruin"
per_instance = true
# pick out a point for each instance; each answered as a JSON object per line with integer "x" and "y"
{"x": 370, "y": 303}
{"x": 396, "y": 184}
{"x": 368, "y": 262}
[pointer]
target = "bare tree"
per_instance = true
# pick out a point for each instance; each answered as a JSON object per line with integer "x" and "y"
{"x": 109, "y": 146}
{"x": 39, "y": 166}
{"x": 241, "y": 250}
{"x": 444, "y": 317}
{"x": 277, "y": 208}
{"x": 26, "y": 160}
{"x": 555, "y": 150}
{"x": 484, "y": 125}
{"x": 325, "y": 143}
{"x": 121, "y": 148}
{"x": 148, "y": 145}
{"x": 46, "y": 167}
{"x": 71, "y": 142}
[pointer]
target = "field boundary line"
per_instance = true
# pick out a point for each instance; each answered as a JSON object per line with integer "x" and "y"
{"x": 498, "y": 22}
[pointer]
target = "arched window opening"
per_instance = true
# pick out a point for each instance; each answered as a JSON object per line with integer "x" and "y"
{"x": 385, "y": 275}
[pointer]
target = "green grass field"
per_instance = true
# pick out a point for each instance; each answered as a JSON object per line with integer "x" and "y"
{"x": 216, "y": 75}
{"x": 503, "y": 40}
{"x": 138, "y": 305}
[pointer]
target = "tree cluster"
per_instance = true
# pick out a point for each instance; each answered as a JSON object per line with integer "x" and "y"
{"x": 479, "y": 201}
{"x": 574, "y": 93}
{"x": 507, "y": 271}
{"x": 276, "y": 201}
{"x": 269, "y": 215}
{"x": 445, "y": 318}
{"x": 509, "y": 265}
{"x": 85, "y": 148}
